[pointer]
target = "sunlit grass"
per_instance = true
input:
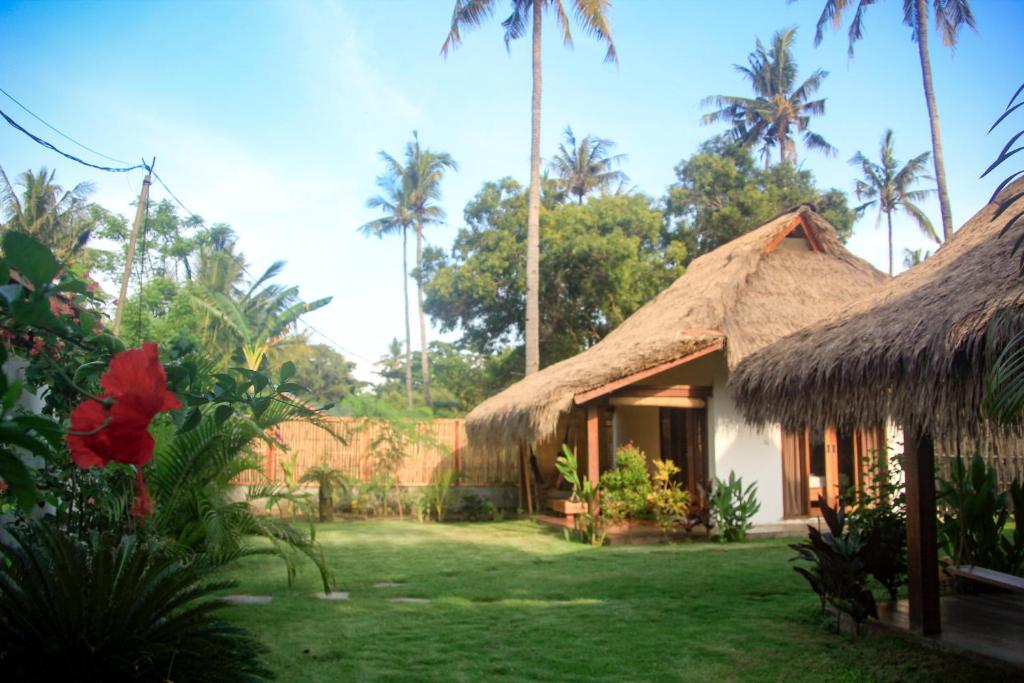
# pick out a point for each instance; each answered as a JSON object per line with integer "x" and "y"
{"x": 512, "y": 601}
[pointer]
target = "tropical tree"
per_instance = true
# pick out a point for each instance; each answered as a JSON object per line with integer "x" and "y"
{"x": 395, "y": 202}
{"x": 592, "y": 16}
{"x": 779, "y": 108}
{"x": 422, "y": 177}
{"x": 586, "y": 166}
{"x": 950, "y": 16}
{"x": 61, "y": 219}
{"x": 888, "y": 186}
{"x": 260, "y": 320}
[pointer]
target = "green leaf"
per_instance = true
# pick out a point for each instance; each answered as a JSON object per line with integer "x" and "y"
{"x": 195, "y": 416}
{"x": 260, "y": 405}
{"x": 287, "y": 372}
{"x": 30, "y": 258}
{"x": 292, "y": 388}
{"x": 18, "y": 478}
{"x": 222, "y": 413}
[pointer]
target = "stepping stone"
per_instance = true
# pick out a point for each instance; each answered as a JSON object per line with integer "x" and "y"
{"x": 411, "y": 601}
{"x": 247, "y": 599}
{"x": 336, "y": 595}
{"x": 386, "y": 584}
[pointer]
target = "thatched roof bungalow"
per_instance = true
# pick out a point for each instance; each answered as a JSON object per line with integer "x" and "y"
{"x": 916, "y": 351}
{"x": 660, "y": 378}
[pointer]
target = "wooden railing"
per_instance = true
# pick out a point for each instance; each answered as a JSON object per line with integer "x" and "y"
{"x": 439, "y": 444}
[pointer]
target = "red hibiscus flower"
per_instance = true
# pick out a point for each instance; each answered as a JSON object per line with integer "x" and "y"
{"x": 118, "y": 429}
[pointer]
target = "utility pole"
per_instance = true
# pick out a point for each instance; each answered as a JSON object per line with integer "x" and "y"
{"x": 140, "y": 211}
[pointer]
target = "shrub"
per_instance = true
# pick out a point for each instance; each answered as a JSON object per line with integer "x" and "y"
{"x": 436, "y": 496}
{"x": 879, "y": 516}
{"x": 838, "y": 572}
{"x": 973, "y": 523}
{"x": 589, "y": 527}
{"x": 113, "y": 609}
{"x": 625, "y": 489}
{"x": 477, "y": 508}
{"x": 667, "y": 501}
{"x": 734, "y": 507}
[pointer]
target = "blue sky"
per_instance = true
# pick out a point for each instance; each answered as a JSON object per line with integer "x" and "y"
{"x": 269, "y": 115}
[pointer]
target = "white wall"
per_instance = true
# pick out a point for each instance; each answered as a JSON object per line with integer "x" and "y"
{"x": 753, "y": 454}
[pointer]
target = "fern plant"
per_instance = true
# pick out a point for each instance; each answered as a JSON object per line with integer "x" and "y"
{"x": 193, "y": 470}
{"x": 113, "y": 608}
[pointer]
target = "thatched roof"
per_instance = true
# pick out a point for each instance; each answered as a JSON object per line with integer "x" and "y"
{"x": 916, "y": 351}
{"x": 745, "y": 294}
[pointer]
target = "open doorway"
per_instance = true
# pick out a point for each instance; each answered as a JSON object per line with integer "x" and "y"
{"x": 683, "y": 442}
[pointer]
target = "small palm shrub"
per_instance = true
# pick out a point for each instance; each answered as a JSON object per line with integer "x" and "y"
{"x": 734, "y": 507}
{"x": 113, "y": 608}
{"x": 436, "y": 496}
{"x": 327, "y": 480}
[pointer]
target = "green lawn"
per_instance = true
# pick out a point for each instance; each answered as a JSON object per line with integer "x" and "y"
{"x": 512, "y": 601}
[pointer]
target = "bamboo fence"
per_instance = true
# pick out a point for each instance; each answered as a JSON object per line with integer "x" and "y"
{"x": 439, "y": 445}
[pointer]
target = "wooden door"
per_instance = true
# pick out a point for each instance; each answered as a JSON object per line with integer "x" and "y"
{"x": 796, "y": 501}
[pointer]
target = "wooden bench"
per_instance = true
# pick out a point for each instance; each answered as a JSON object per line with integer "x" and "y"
{"x": 569, "y": 508}
{"x": 989, "y": 576}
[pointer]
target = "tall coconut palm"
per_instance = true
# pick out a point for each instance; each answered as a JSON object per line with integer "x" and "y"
{"x": 592, "y": 17}
{"x": 950, "y": 16}
{"x": 58, "y": 218}
{"x": 889, "y": 186}
{"x": 422, "y": 177}
{"x": 395, "y": 202}
{"x": 779, "y": 108}
{"x": 587, "y": 165}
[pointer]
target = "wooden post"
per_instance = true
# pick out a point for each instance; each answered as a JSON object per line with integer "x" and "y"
{"x": 525, "y": 465}
{"x": 457, "y": 452}
{"x": 831, "y": 466}
{"x": 922, "y": 536}
{"x": 140, "y": 211}
{"x": 594, "y": 450}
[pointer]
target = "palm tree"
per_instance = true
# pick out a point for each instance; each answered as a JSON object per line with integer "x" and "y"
{"x": 58, "y": 218}
{"x": 395, "y": 202}
{"x": 950, "y": 16}
{"x": 914, "y": 257}
{"x": 422, "y": 176}
{"x": 592, "y": 16}
{"x": 586, "y": 166}
{"x": 888, "y": 186}
{"x": 779, "y": 109}
{"x": 260, "y": 319}
{"x": 327, "y": 479}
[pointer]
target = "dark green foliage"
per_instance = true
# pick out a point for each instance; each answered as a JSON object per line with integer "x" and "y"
{"x": 838, "y": 572}
{"x": 624, "y": 489}
{"x": 327, "y": 480}
{"x": 972, "y": 527}
{"x": 477, "y": 508}
{"x": 879, "y": 515}
{"x": 113, "y": 609}
{"x": 733, "y": 507}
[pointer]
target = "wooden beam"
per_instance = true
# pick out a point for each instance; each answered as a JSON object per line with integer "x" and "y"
{"x": 831, "y": 466}
{"x": 674, "y": 391}
{"x": 658, "y": 401}
{"x": 922, "y": 535}
{"x": 644, "y": 374}
{"x": 797, "y": 222}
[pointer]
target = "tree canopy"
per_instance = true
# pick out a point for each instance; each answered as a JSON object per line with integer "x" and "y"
{"x": 601, "y": 261}
{"x": 721, "y": 192}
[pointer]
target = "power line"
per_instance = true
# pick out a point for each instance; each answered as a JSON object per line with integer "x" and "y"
{"x": 346, "y": 350}
{"x": 110, "y": 169}
{"x": 175, "y": 197}
{"x": 63, "y": 135}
